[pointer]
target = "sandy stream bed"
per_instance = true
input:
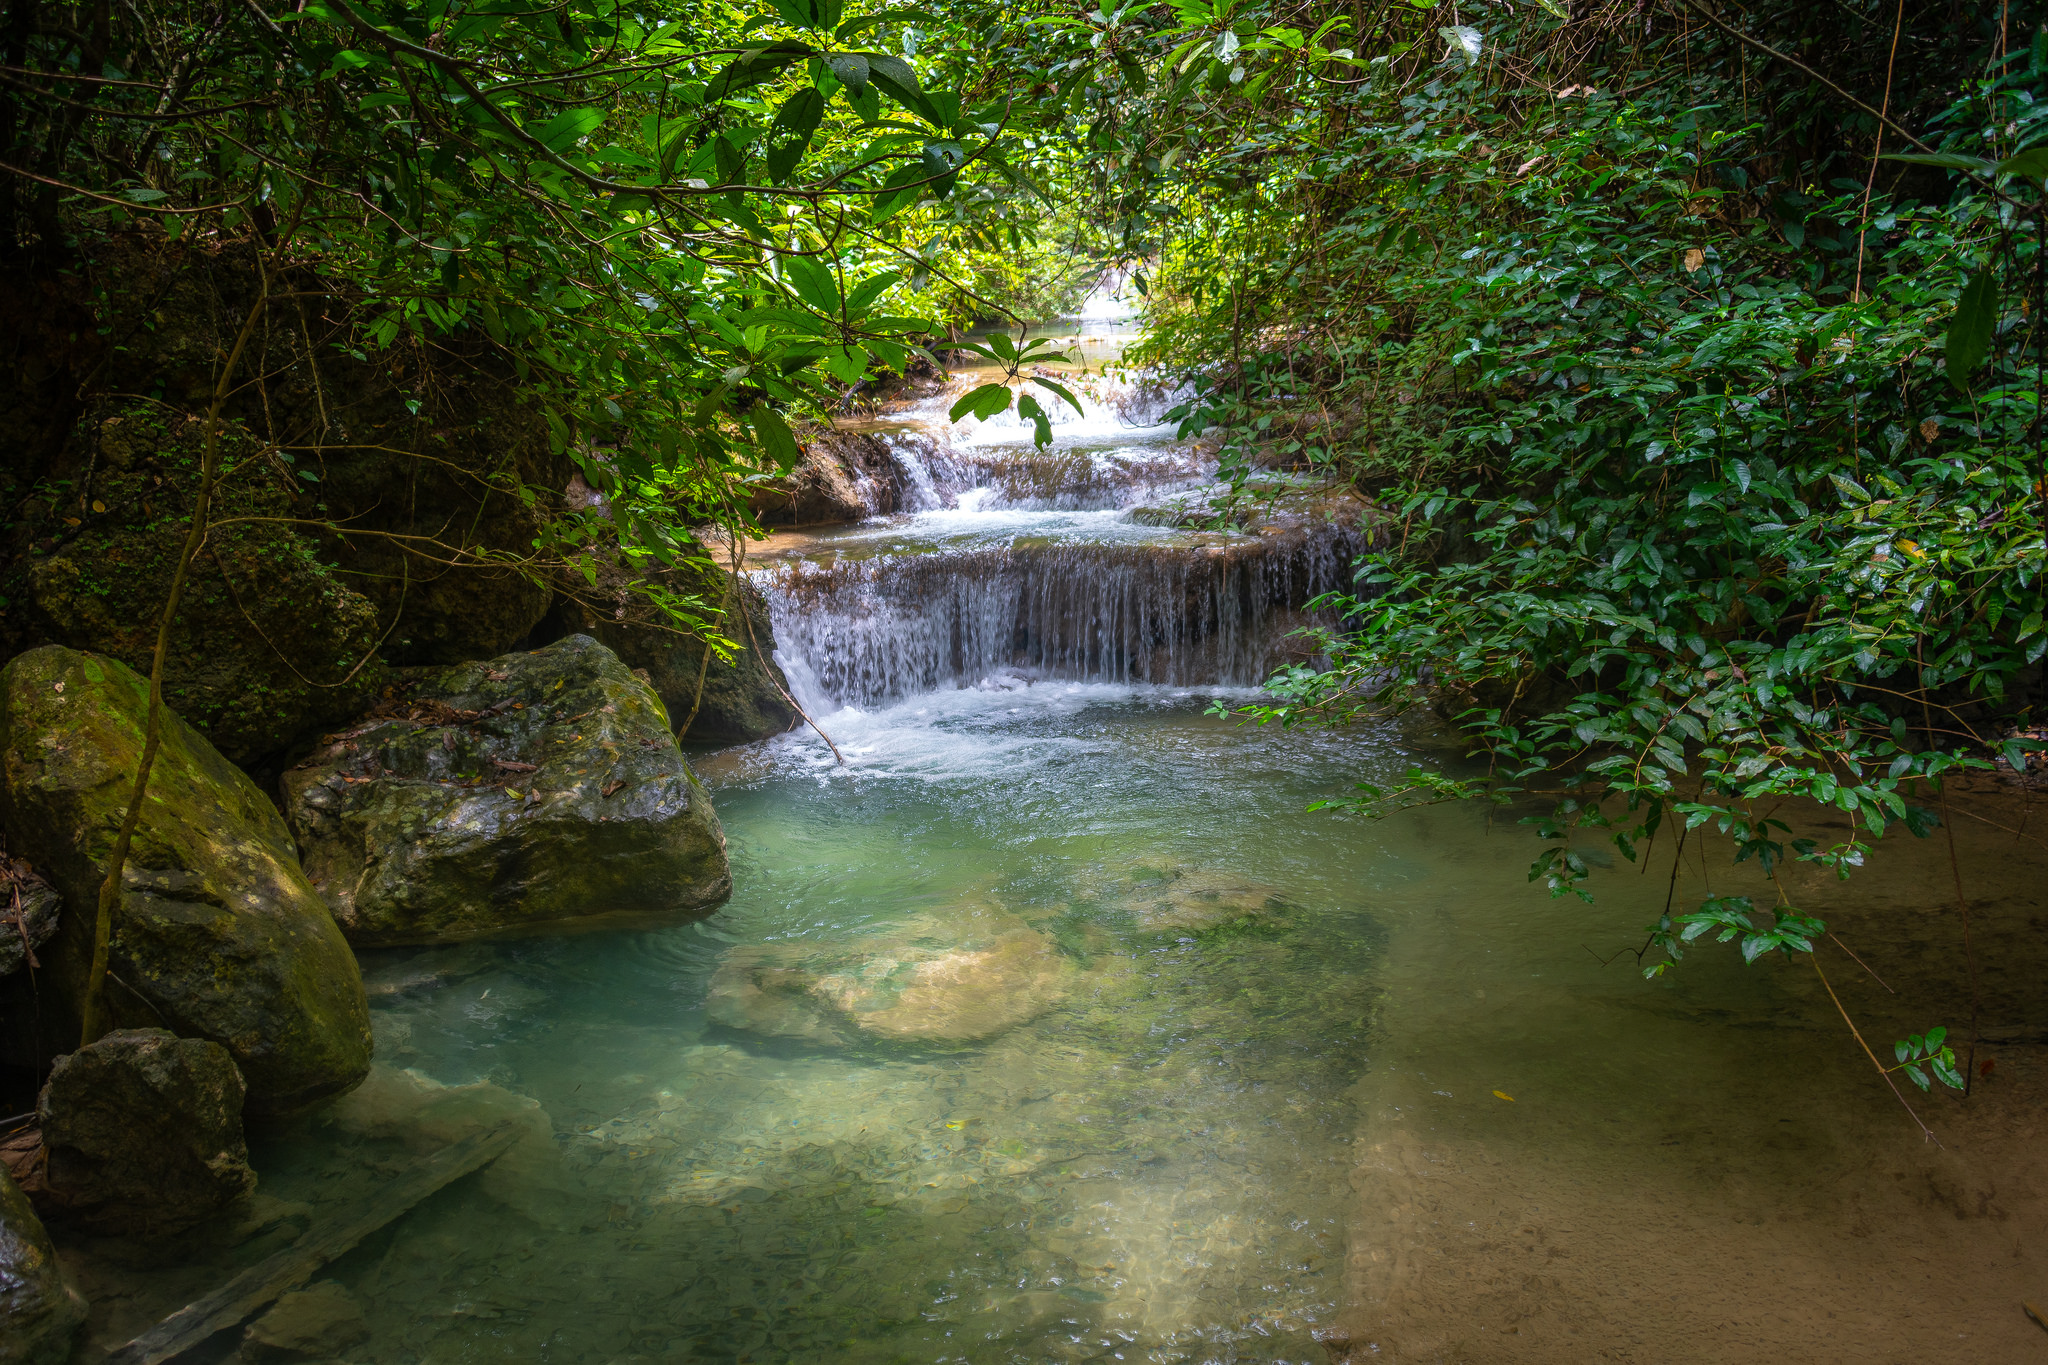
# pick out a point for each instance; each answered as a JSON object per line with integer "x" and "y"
{"x": 1595, "y": 1216}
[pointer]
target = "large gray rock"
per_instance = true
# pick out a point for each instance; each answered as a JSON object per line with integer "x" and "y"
{"x": 39, "y": 1313}
{"x": 218, "y": 935}
{"x": 143, "y": 1133}
{"x": 531, "y": 790}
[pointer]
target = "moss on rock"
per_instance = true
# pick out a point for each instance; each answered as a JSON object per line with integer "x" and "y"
{"x": 268, "y": 640}
{"x": 536, "y": 789}
{"x": 218, "y": 934}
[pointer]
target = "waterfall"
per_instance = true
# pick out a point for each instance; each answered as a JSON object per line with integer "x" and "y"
{"x": 1012, "y": 562}
{"x": 866, "y": 631}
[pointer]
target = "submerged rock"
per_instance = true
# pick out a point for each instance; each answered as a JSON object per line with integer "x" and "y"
{"x": 39, "y": 1313}
{"x": 143, "y": 1133}
{"x": 535, "y": 789}
{"x": 426, "y": 1116}
{"x": 218, "y": 935}
{"x": 316, "y": 1323}
{"x": 1191, "y": 900}
{"x": 947, "y": 977}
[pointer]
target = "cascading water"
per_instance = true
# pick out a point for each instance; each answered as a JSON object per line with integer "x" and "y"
{"x": 1020, "y": 564}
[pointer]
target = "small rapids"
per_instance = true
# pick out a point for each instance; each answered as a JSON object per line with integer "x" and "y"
{"x": 1064, "y": 563}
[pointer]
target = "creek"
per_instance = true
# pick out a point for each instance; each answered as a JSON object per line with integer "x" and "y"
{"x": 1209, "y": 1139}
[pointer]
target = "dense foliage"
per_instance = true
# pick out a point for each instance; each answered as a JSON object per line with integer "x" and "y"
{"x": 1707, "y": 428}
{"x": 688, "y": 225}
{"x": 1690, "y": 352}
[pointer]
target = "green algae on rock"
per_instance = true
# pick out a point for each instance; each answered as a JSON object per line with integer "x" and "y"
{"x": 538, "y": 789}
{"x": 39, "y": 1313}
{"x": 957, "y": 977}
{"x": 218, "y": 935}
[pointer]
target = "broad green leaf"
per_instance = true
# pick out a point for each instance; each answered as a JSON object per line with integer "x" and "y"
{"x": 847, "y": 364}
{"x": 813, "y": 282}
{"x": 775, "y": 437}
{"x": 864, "y": 294}
{"x": 1949, "y": 160}
{"x": 756, "y": 66}
{"x": 851, "y": 68}
{"x": 1041, "y": 424}
{"x": 790, "y": 134}
{"x": 984, "y": 402}
{"x": 1971, "y": 330}
{"x": 896, "y": 79}
{"x": 567, "y": 128}
{"x": 1060, "y": 389}
{"x": 2032, "y": 164}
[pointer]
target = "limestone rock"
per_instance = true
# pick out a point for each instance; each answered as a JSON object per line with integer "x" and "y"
{"x": 39, "y": 1313}
{"x": 955, "y": 976}
{"x": 315, "y": 1323}
{"x": 532, "y": 790}
{"x": 143, "y": 1132}
{"x": 843, "y": 476}
{"x": 265, "y": 614}
{"x": 218, "y": 935}
{"x": 743, "y": 699}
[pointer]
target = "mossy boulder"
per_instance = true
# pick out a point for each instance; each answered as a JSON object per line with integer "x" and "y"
{"x": 535, "y": 790}
{"x": 39, "y": 1313}
{"x": 269, "y": 643}
{"x": 143, "y": 1133}
{"x": 218, "y": 934}
{"x": 944, "y": 978}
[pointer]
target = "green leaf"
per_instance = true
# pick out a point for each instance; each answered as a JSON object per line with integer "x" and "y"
{"x": 1946, "y": 159}
{"x": 1934, "y": 1038}
{"x": 847, "y": 364}
{"x": 775, "y": 437}
{"x": 904, "y": 187}
{"x": 567, "y": 128}
{"x": 756, "y": 66}
{"x": 790, "y": 134}
{"x": 887, "y": 16}
{"x": 984, "y": 402}
{"x": 895, "y": 78}
{"x": 813, "y": 282}
{"x": 851, "y": 68}
{"x": 1970, "y": 331}
{"x": 1041, "y": 424}
{"x": 1059, "y": 389}
{"x": 1918, "y": 1076}
{"x": 2032, "y": 164}
{"x": 732, "y": 162}
{"x": 867, "y": 291}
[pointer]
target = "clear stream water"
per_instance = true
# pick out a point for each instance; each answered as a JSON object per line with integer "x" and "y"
{"x": 1153, "y": 1158}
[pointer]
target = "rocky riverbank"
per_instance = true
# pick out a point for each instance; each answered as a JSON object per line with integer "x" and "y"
{"x": 525, "y": 793}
